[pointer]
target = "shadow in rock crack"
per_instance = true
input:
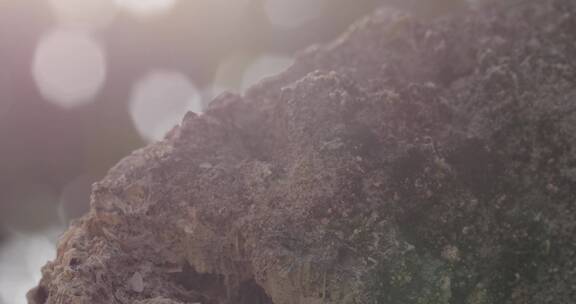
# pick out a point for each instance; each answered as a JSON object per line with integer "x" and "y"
{"x": 212, "y": 289}
{"x": 251, "y": 293}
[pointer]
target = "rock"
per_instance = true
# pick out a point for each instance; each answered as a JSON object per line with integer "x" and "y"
{"x": 410, "y": 161}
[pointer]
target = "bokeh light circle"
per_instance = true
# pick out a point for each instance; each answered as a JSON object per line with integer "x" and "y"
{"x": 146, "y": 7}
{"x": 69, "y": 67}
{"x": 159, "y": 102}
{"x": 21, "y": 260}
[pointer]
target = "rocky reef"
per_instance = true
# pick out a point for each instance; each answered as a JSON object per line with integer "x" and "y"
{"x": 412, "y": 161}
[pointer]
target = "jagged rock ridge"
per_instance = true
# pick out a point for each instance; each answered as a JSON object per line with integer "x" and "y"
{"x": 410, "y": 161}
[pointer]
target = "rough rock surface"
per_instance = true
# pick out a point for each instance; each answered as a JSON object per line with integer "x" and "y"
{"x": 410, "y": 161}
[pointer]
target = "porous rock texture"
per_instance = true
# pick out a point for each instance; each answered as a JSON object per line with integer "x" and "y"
{"x": 410, "y": 161}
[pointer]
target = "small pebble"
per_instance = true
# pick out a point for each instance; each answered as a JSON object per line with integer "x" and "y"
{"x": 206, "y": 166}
{"x": 136, "y": 282}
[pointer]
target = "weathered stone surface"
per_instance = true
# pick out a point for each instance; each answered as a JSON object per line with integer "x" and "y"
{"x": 408, "y": 162}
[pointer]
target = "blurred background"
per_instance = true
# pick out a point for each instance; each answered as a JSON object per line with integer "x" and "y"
{"x": 84, "y": 82}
